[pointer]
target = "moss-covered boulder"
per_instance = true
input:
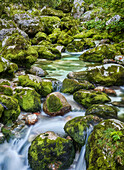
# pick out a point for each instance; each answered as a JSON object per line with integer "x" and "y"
{"x": 4, "y": 24}
{"x": 73, "y": 85}
{"x": 50, "y": 23}
{"x": 64, "y": 38}
{"x": 48, "y": 150}
{"x": 7, "y": 68}
{"x": 65, "y": 5}
{"x": 5, "y": 89}
{"x": 90, "y": 97}
{"x": 56, "y": 104}
{"x": 54, "y": 36}
{"x": 52, "y": 12}
{"x": 28, "y": 99}
{"x": 18, "y": 50}
{"x": 79, "y": 45}
{"x": 102, "y": 110}
{"x": 47, "y": 52}
{"x": 99, "y": 53}
{"x": 107, "y": 74}
{"x": 43, "y": 87}
{"x": 11, "y": 109}
{"x": 77, "y": 128}
{"x": 85, "y": 34}
{"x": 81, "y": 75}
{"x": 105, "y": 146}
{"x": 39, "y": 37}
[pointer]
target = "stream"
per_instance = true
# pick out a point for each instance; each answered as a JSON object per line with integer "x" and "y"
{"x": 13, "y": 155}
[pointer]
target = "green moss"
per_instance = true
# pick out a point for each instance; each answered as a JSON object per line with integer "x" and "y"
{"x": 77, "y": 127}
{"x": 50, "y": 23}
{"x": 54, "y": 36}
{"x": 4, "y": 89}
{"x": 49, "y": 150}
{"x": 64, "y": 38}
{"x": 52, "y": 12}
{"x": 103, "y": 111}
{"x": 39, "y": 37}
{"x": 105, "y": 146}
{"x": 108, "y": 74}
{"x": 1, "y": 109}
{"x": 53, "y": 103}
{"x": 42, "y": 87}
{"x": 47, "y": 52}
{"x": 87, "y": 98}
{"x": 7, "y": 68}
{"x": 28, "y": 98}
{"x": 72, "y": 85}
{"x": 11, "y": 108}
{"x": 98, "y": 54}
{"x": 18, "y": 50}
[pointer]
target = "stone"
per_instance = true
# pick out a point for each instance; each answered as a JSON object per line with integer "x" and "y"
{"x": 18, "y": 50}
{"x": 31, "y": 119}
{"x": 101, "y": 110}
{"x": 89, "y": 97}
{"x": 77, "y": 127}
{"x": 99, "y": 53}
{"x": 7, "y": 68}
{"x": 107, "y": 74}
{"x": 38, "y": 71}
{"x": 43, "y": 87}
{"x": 5, "y": 89}
{"x": 56, "y": 104}
{"x": 28, "y": 98}
{"x": 105, "y": 146}
{"x": 11, "y": 109}
{"x": 115, "y": 18}
{"x": 73, "y": 85}
{"x": 79, "y": 45}
{"x": 48, "y": 151}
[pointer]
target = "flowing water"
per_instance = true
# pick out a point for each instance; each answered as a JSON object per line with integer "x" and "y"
{"x": 13, "y": 155}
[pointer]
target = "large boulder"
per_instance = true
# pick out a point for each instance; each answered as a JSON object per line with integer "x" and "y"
{"x": 43, "y": 87}
{"x": 28, "y": 98}
{"x": 64, "y": 38}
{"x": 7, "y": 68}
{"x": 5, "y": 89}
{"x": 52, "y": 12}
{"x": 18, "y": 50}
{"x": 73, "y": 85}
{"x": 89, "y": 97}
{"x": 107, "y": 74}
{"x": 79, "y": 45}
{"x": 102, "y": 110}
{"x": 99, "y": 53}
{"x": 77, "y": 128}
{"x": 105, "y": 146}
{"x": 56, "y": 104}
{"x": 47, "y": 52}
{"x": 48, "y": 151}
{"x": 29, "y": 24}
{"x": 10, "y": 109}
{"x": 50, "y": 23}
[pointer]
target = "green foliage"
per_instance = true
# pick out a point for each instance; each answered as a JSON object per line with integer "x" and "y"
{"x": 116, "y": 135}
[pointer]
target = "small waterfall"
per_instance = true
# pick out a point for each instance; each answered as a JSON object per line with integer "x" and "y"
{"x": 13, "y": 155}
{"x": 81, "y": 163}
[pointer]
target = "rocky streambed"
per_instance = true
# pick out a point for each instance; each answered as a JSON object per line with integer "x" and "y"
{"x": 61, "y": 85}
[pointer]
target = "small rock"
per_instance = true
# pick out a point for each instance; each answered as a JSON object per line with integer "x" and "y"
{"x": 31, "y": 119}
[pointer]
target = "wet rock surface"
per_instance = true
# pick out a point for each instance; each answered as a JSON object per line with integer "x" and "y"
{"x": 56, "y": 104}
{"x": 56, "y": 152}
{"x": 105, "y": 145}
